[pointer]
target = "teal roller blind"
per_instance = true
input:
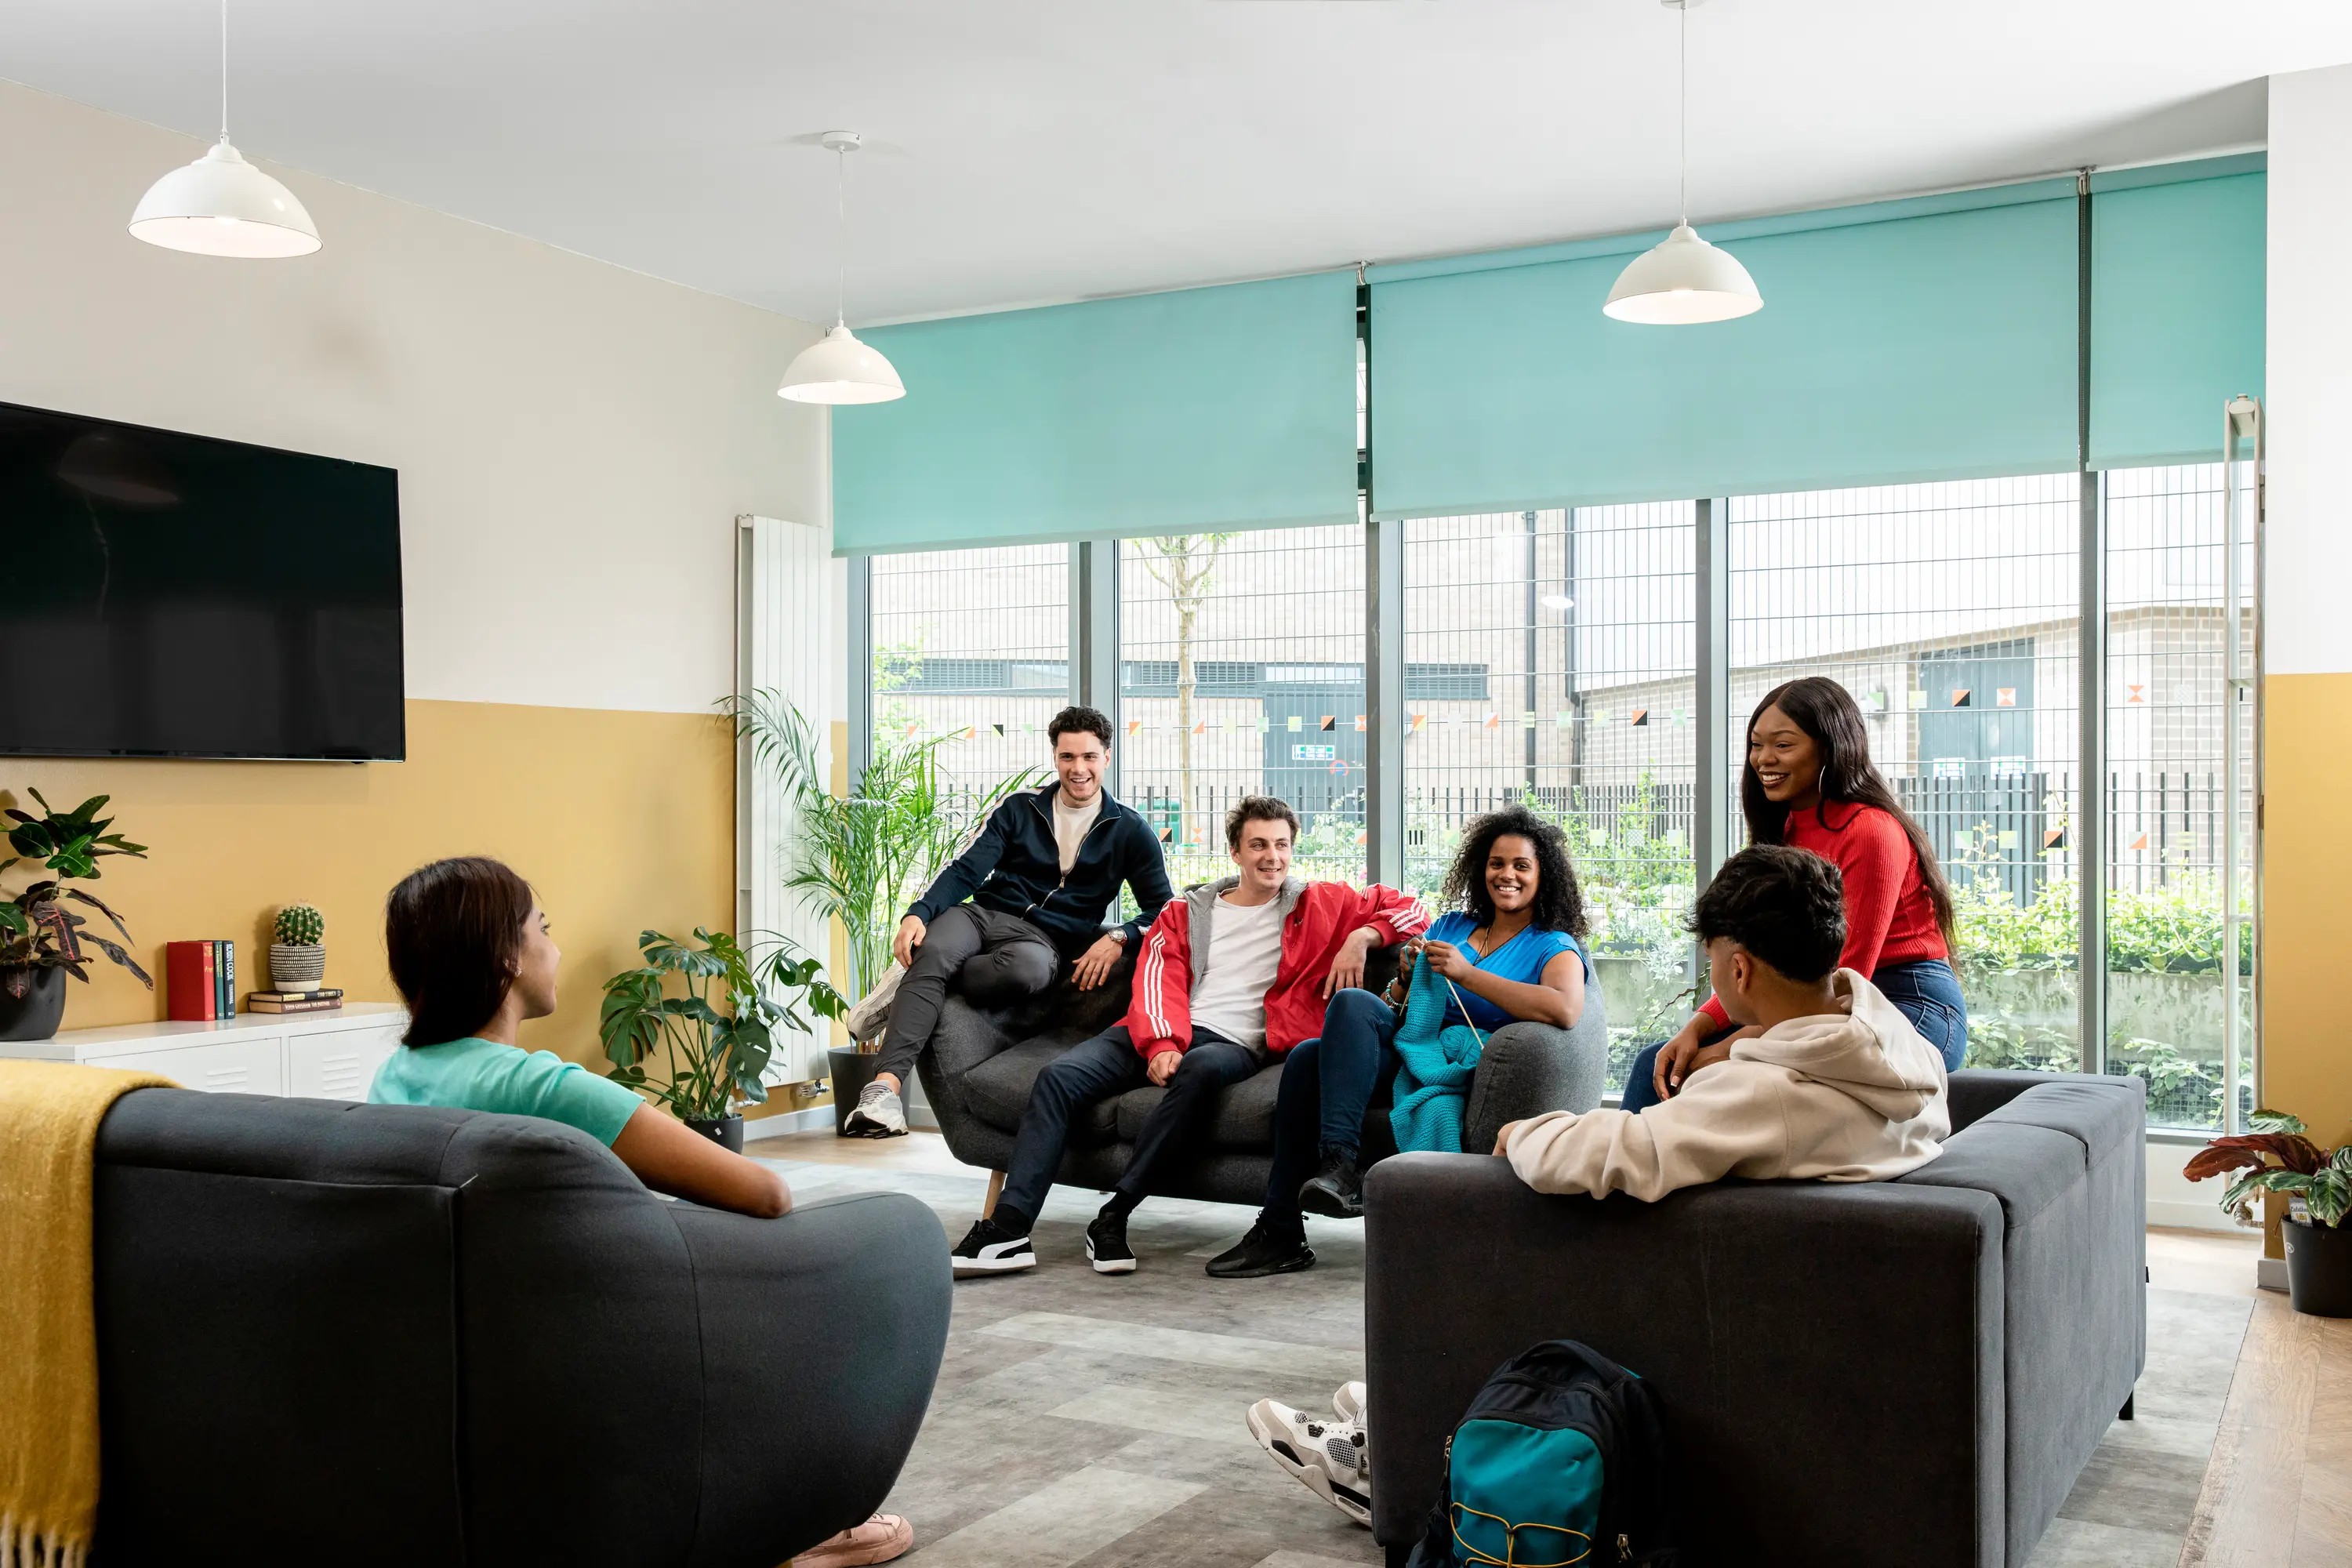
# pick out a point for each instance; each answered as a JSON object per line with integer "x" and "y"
{"x": 2177, "y": 298}
{"x": 1232, "y": 407}
{"x": 1930, "y": 339}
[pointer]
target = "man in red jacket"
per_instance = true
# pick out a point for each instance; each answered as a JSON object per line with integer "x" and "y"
{"x": 1228, "y": 979}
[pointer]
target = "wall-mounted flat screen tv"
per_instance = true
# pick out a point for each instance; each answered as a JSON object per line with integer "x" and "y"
{"x": 169, "y": 595}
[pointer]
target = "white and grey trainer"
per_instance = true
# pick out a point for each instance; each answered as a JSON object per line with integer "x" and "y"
{"x": 1348, "y": 1402}
{"x": 989, "y": 1249}
{"x": 1329, "y": 1458}
{"x": 879, "y": 1113}
{"x": 871, "y": 1016}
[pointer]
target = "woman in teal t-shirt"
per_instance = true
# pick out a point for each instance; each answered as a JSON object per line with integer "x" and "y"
{"x": 469, "y": 949}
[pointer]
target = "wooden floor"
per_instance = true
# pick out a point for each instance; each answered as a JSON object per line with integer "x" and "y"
{"x": 2278, "y": 1490}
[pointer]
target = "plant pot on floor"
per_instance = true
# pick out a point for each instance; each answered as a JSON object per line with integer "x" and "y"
{"x": 36, "y": 1015}
{"x": 296, "y": 967}
{"x": 726, "y": 1131}
{"x": 852, "y": 1070}
{"x": 2318, "y": 1268}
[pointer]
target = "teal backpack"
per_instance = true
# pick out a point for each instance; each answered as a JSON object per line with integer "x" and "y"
{"x": 1560, "y": 1462}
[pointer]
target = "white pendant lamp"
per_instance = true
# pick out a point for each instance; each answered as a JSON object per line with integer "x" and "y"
{"x": 837, "y": 368}
{"x": 1682, "y": 280}
{"x": 222, "y": 206}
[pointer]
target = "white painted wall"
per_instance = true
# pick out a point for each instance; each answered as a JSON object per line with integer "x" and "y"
{"x": 575, "y": 440}
{"x": 2309, "y": 372}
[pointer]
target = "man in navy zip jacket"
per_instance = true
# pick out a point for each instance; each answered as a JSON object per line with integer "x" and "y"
{"x": 1029, "y": 895}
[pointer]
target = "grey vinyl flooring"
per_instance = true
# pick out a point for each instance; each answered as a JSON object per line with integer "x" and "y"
{"x": 1090, "y": 1422}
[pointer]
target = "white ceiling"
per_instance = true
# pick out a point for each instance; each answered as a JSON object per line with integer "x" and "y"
{"x": 1044, "y": 150}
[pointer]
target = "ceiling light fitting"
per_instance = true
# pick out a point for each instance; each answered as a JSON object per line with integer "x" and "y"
{"x": 1682, "y": 280}
{"x": 837, "y": 368}
{"x": 222, "y": 206}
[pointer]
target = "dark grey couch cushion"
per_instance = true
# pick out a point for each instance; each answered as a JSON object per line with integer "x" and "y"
{"x": 997, "y": 1090}
{"x": 1243, "y": 1117}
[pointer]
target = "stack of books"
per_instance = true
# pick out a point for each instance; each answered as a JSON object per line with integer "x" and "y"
{"x": 200, "y": 980}
{"x": 324, "y": 999}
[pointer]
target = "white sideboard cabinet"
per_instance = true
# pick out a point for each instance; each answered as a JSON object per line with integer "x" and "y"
{"x": 312, "y": 1055}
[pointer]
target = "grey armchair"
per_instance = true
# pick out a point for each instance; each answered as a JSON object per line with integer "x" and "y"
{"x": 369, "y": 1334}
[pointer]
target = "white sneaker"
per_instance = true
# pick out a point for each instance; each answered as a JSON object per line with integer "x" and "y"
{"x": 867, "y": 1020}
{"x": 879, "y": 1113}
{"x": 1348, "y": 1404}
{"x": 1326, "y": 1458}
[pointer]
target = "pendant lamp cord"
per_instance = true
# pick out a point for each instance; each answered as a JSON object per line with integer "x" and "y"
{"x": 1682, "y": 103}
{"x": 224, "y": 71}
{"x": 841, "y": 238}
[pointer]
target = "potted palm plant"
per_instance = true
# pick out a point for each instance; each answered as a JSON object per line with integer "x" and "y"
{"x": 715, "y": 1061}
{"x": 2276, "y": 1157}
{"x": 41, "y": 941}
{"x": 861, "y": 857}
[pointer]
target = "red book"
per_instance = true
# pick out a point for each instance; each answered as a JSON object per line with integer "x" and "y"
{"x": 192, "y": 981}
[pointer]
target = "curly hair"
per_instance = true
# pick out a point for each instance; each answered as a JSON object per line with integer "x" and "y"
{"x": 1559, "y": 902}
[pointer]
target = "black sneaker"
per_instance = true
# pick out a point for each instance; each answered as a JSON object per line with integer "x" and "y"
{"x": 1260, "y": 1253}
{"x": 1107, "y": 1247}
{"x": 1336, "y": 1190}
{"x": 990, "y": 1248}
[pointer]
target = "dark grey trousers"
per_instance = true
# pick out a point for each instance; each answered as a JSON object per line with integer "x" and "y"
{"x": 994, "y": 959}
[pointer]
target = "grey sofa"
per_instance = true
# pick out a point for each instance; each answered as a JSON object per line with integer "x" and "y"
{"x": 1906, "y": 1372}
{"x": 978, "y": 1069}
{"x": 376, "y": 1334}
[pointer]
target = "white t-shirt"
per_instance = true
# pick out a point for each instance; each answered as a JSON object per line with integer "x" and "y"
{"x": 1245, "y": 951}
{"x": 1071, "y": 826}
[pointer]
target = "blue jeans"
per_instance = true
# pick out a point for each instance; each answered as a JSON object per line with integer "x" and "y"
{"x": 1325, "y": 1084}
{"x": 1925, "y": 992}
{"x": 1097, "y": 1070}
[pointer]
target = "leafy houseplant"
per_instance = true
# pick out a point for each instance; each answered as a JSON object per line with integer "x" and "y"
{"x": 861, "y": 858}
{"x": 41, "y": 941}
{"x": 297, "y": 962}
{"x": 2276, "y": 1157}
{"x": 716, "y": 1059}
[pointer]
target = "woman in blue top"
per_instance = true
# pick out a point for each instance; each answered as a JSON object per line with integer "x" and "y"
{"x": 469, "y": 948}
{"x": 1509, "y": 950}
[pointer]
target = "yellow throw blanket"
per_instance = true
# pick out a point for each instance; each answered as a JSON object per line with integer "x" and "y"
{"x": 49, "y": 1114}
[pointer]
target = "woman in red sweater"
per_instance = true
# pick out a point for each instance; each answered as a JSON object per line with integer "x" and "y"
{"x": 1809, "y": 783}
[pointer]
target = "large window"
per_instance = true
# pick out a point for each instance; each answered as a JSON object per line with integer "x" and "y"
{"x": 1952, "y": 612}
{"x": 1550, "y": 658}
{"x": 971, "y": 646}
{"x": 1549, "y": 662}
{"x": 1242, "y": 672}
{"x": 2169, "y": 790}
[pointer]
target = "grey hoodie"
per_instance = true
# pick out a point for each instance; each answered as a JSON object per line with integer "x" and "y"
{"x": 1851, "y": 1096}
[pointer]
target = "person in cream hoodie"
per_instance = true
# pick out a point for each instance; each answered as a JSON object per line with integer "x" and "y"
{"x": 1824, "y": 1079}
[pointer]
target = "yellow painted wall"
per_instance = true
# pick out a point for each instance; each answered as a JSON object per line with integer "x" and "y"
{"x": 2306, "y": 1062}
{"x": 621, "y": 820}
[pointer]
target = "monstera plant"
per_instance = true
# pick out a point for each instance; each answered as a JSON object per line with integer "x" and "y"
{"x": 41, "y": 939}
{"x": 714, "y": 1060}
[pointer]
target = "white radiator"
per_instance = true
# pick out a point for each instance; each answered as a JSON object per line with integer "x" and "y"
{"x": 785, "y": 642}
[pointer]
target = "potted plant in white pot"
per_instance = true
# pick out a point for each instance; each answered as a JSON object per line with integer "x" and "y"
{"x": 861, "y": 857}
{"x": 297, "y": 960}
{"x": 715, "y": 1061}
{"x": 41, "y": 941}
{"x": 2276, "y": 1157}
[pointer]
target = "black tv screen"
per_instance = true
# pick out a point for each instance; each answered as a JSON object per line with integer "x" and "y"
{"x": 175, "y": 595}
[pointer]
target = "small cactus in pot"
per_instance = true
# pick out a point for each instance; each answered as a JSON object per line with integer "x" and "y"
{"x": 296, "y": 961}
